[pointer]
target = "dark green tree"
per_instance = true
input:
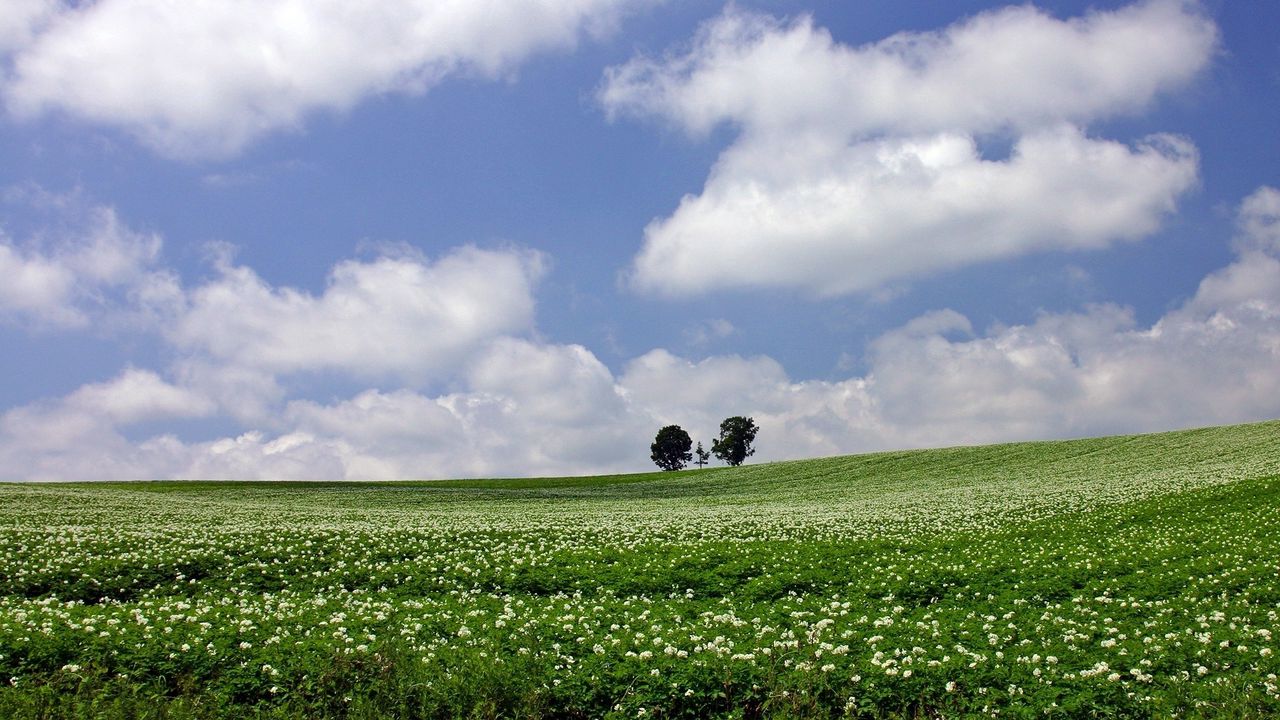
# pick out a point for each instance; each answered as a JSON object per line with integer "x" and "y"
{"x": 736, "y": 435}
{"x": 701, "y": 454}
{"x": 670, "y": 449}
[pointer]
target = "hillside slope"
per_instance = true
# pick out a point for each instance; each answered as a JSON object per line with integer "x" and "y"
{"x": 1119, "y": 577}
{"x": 893, "y": 492}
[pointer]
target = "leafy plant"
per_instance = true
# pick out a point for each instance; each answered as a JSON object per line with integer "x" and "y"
{"x": 734, "y": 444}
{"x": 670, "y": 449}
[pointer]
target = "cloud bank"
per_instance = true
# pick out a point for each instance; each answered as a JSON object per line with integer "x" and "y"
{"x": 854, "y": 167}
{"x": 513, "y": 404}
{"x": 203, "y": 78}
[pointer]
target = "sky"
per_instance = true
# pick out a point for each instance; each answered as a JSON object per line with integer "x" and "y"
{"x": 289, "y": 239}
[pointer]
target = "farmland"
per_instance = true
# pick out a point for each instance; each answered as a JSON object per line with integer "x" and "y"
{"x": 1118, "y": 577}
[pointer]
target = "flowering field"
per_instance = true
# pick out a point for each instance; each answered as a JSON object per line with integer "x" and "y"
{"x": 1122, "y": 577}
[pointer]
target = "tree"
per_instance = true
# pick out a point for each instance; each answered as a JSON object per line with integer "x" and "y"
{"x": 670, "y": 449}
{"x": 736, "y": 435}
{"x": 701, "y": 454}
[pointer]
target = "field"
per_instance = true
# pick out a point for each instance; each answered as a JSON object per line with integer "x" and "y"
{"x": 1119, "y": 577}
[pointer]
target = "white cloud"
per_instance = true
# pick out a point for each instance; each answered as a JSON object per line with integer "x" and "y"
{"x": 137, "y": 396}
{"x": 528, "y": 408}
{"x": 250, "y": 395}
{"x": 206, "y": 77}
{"x": 855, "y": 167}
{"x": 80, "y": 436}
{"x": 21, "y": 20}
{"x": 251, "y": 456}
{"x": 670, "y": 386}
{"x": 1259, "y": 220}
{"x": 234, "y": 340}
{"x": 397, "y": 315}
{"x": 935, "y": 382}
{"x": 67, "y": 279}
{"x": 803, "y": 419}
{"x": 1015, "y": 67}
{"x": 702, "y": 333}
{"x": 559, "y": 384}
{"x": 537, "y": 409}
{"x": 392, "y": 316}
{"x": 1212, "y": 361}
{"x": 524, "y": 407}
{"x": 839, "y": 219}
{"x": 36, "y": 286}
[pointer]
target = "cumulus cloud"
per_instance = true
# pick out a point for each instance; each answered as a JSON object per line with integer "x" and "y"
{"x": 528, "y": 408}
{"x": 249, "y": 395}
{"x": 393, "y": 316}
{"x": 1090, "y": 373}
{"x": 206, "y": 77}
{"x": 532, "y": 408}
{"x": 935, "y": 381}
{"x": 137, "y": 396}
{"x": 93, "y": 264}
{"x": 522, "y": 406}
{"x": 80, "y": 436}
{"x": 398, "y": 315}
{"x": 21, "y": 20}
{"x": 1212, "y": 360}
{"x": 37, "y": 286}
{"x": 1014, "y": 67}
{"x": 235, "y": 340}
{"x": 837, "y": 219}
{"x": 1259, "y": 221}
{"x": 854, "y": 167}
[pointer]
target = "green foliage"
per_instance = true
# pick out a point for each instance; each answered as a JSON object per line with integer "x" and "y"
{"x": 670, "y": 449}
{"x": 1125, "y": 577}
{"x": 734, "y": 444}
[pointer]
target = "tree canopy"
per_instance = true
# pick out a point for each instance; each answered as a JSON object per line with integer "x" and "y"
{"x": 734, "y": 444}
{"x": 670, "y": 449}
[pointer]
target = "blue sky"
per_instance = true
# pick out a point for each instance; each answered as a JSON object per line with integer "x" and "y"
{"x": 304, "y": 240}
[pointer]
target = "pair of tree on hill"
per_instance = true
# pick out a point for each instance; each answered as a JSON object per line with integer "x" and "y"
{"x": 672, "y": 448}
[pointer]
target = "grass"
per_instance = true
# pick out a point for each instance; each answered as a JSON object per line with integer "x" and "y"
{"x": 1116, "y": 577}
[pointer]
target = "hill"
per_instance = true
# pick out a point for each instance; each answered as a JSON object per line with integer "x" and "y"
{"x": 1127, "y": 576}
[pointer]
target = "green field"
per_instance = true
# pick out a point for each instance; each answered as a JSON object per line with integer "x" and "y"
{"x": 1119, "y": 577}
